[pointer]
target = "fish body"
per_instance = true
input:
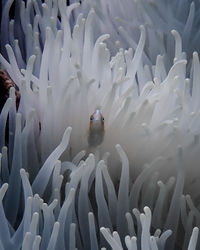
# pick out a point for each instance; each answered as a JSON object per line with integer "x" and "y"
{"x": 96, "y": 129}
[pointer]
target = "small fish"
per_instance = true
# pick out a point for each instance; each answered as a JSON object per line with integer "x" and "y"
{"x": 96, "y": 129}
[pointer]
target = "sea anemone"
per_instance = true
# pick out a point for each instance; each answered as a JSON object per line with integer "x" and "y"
{"x": 63, "y": 65}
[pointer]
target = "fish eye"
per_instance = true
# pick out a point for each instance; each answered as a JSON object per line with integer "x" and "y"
{"x": 102, "y": 119}
{"x": 91, "y": 118}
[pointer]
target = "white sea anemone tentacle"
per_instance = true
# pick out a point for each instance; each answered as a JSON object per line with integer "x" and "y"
{"x": 49, "y": 230}
{"x": 66, "y": 65}
{"x": 159, "y": 19}
{"x": 127, "y": 104}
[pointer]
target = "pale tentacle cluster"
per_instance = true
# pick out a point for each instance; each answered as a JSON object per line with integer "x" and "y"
{"x": 65, "y": 61}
